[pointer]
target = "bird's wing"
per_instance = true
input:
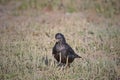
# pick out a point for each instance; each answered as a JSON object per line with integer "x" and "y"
{"x": 69, "y": 49}
{"x": 71, "y": 52}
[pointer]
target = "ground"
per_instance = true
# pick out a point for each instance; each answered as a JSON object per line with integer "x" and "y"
{"x": 27, "y": 38}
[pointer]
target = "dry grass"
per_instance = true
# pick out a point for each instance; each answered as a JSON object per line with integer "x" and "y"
{"x": 26, "y": 45}
{"x": 26, "y": 42}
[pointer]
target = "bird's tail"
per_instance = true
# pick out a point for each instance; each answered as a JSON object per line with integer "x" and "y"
{"x": 77, "y": 56}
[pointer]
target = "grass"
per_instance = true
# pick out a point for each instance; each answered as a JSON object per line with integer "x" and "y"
{"x": 105, "y": 8}
{"x": 3, "y": 2}
{"x": 26, "y": 42}
{"x": 25, "y": 50}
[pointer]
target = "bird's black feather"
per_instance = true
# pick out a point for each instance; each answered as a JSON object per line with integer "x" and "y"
{"x": 63, "y": 49}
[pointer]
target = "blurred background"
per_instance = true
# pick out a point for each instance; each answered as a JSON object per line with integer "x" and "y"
{"x": 27, "y": 29}
{"x": 106, "y": 8}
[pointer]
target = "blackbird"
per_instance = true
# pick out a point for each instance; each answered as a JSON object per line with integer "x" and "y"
{"x": 62, "y": 52}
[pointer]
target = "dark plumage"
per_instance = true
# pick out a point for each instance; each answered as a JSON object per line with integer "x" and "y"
{"x": 62, "y": 52}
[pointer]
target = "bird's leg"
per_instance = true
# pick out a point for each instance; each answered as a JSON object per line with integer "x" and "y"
{"x": 60, "y": 59}
{"x": 67, "y": 64}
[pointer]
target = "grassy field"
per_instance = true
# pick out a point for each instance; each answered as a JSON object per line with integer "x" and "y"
{"x": 27, "y": 38}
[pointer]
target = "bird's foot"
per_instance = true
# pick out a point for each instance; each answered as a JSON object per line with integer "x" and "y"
{"x": 60, "y": 64}
{"x": 67, "y": 66}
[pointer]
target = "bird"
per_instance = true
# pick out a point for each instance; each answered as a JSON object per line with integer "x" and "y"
{"x": 62, "y": 51}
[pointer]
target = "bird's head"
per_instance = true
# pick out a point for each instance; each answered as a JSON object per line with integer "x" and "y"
{"x": 60, "y": 38}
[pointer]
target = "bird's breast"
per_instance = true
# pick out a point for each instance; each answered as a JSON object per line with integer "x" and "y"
{"x": 60, "y": 48}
